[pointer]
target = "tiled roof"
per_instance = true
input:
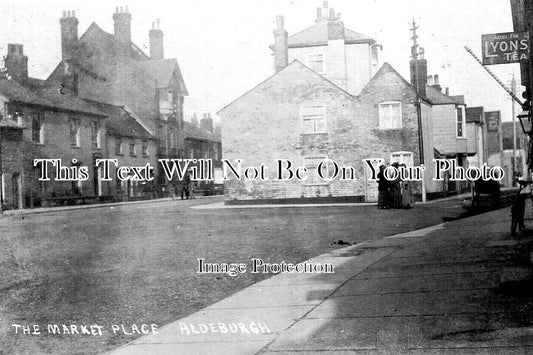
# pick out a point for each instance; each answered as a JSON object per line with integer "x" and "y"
{"x": 120, "y": 122}
{"x": 161, "y": 71}
{"x": 318, "y": 35}
{"x": 294, "y": 68}
{"x": 438, "y": 98}
{"x": 108, "y": 43}
{"x": 146, "y": 72}
{"x": 192, "y": 131}
{"x": 46, "y": 96}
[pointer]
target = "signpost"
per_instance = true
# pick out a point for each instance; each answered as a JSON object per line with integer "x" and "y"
{"x": 505, "y": 48}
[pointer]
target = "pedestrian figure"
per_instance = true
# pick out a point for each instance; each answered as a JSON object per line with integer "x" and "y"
{"x": 186, "y": 186}
{"x": 396, "y": 189}
{"x": 173, "y": 189}
{"x": 383, "y": 189}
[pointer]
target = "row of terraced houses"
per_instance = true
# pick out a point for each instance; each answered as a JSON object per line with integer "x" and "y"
{"x": 106, "y": 98}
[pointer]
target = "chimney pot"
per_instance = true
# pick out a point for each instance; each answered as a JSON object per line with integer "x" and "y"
{"x": 116, "y": 9}
{"x": 332, "y": 13}
{"x": 447, "y": 91}
{"x": 318, "y": 14}
{"x": 430, "y": 79}
{"x": 126, "y": 10}
{"x": 436, "y": 77}
{"x": 338, "y": 15}
{"x": 279, "y": 22}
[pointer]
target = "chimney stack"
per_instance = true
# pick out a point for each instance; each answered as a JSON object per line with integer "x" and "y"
{"x": 194, "y": 120}
{"x": 436, "y": 84}
{"x": 156, "y": 41}
{"x": 207, "y": 122}
{"x": 69, "y": 35}
{"x": 16, "y": 62}
{"x": 281, "y": 47}
{"x": 122, "y": 25}
{"x": 318, "y": 14}
{"x": 419, "y": 75}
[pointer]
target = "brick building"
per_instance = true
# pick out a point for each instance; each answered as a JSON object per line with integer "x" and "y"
{"x": 132, "y": 143}
{"x": 56, "y": 126}
{"x": 310, "y": 119}
{"x": 111, "y": 69}
{"x": 308, "y": 111}
{"x": 347, "y": 58}
{"x": 203, "y": 141}
{"x": 11, "y": 148}
{"x": 476, "y": 131}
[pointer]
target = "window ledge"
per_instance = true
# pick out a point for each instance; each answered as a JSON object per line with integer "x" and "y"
{"x": 75, "y": 146}
{"x": 119, "y": 154}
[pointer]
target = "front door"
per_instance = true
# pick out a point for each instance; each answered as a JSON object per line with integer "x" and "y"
{"x": 371, "y": 190}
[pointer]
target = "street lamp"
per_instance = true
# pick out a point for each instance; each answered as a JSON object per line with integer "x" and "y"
{"x": 527, "y": 127}
{"x": 525, "y": 122}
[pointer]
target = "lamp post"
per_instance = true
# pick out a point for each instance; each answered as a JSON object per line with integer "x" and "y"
{"x": 527, "y": 126}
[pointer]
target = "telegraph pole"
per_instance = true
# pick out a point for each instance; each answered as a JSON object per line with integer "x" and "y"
{"x": 513, "y": 88}
{"x": 415, "y": 51}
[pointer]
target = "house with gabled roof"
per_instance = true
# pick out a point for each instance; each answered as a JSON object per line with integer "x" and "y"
{"x": 54, "y": 126}
{"x": 310, "y": 110}
{"x": 300, "y": 115}
{"x": 344, "y": 56}
{"x": 111, "y": 69}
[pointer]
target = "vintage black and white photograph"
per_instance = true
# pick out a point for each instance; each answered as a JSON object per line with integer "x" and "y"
{"x": 266, "y": 177}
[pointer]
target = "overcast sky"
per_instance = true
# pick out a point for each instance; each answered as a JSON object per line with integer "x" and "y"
{"x": 222, "y": 46}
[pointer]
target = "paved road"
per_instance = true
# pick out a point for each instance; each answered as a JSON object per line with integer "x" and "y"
{"x": 136, "y": 264}
{"x": 462, "y": 287}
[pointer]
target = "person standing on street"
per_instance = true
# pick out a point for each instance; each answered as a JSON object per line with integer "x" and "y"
{"x": 383, "y": 189}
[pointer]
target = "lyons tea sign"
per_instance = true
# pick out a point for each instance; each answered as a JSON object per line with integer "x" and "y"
{"x": 505, "y": 48}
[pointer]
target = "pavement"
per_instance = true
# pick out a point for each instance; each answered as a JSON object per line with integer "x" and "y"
{"x": 461, "y": 287}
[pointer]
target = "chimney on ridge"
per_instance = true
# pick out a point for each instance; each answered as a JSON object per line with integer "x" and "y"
{"x": 156, "y": 41}
{"x": 122, "y": 25}
{"x": 16, "y": 62}
{"x": 207, "y": 122}
{"x": 69, "y": 35}
{"x": 281, "y": 47}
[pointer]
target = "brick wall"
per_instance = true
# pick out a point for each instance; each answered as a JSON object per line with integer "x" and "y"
{"x": 264, "y": 125}
{"x": 56, "y": 145}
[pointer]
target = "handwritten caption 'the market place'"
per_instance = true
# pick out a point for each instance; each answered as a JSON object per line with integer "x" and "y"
{"x": 202, "y": 170}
